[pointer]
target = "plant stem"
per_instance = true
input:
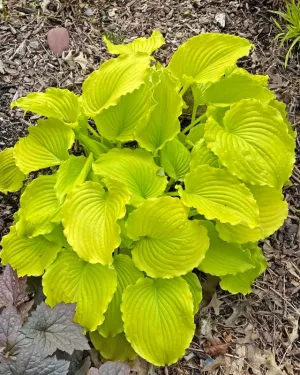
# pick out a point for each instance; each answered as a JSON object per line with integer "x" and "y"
{"x": 192, "y": 124}
{"x": 194, "y": 113}
{"x": 184, "y": 89}
{"x": 119, "y": 144}
{"x": 93, "y": 132}
{"x": 170, "y": 183}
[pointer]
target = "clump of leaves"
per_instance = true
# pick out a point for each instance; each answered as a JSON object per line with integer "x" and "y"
{"x": 289, "y": 25}
{"x": 119, "y": 229}
{"x": 31, "y": 348}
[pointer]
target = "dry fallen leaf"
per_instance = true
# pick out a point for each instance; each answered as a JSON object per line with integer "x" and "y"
{"x": 71, "y": 60}
{"x": 216, "y": 349}
{"x": 81, "y": 60}
{"x": 215, "y": 304}
{"x": 294, "y": 321}
{"x": 227, "y": 336}
{"x": 214, "y": 365}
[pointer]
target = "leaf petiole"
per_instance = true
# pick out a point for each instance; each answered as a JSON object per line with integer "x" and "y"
{"x": 94, "y": 132}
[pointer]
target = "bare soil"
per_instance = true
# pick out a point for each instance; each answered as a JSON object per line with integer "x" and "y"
{"x": 256, "y": 334}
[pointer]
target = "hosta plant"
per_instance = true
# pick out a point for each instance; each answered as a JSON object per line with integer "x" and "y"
{"x": 131, "y": 200}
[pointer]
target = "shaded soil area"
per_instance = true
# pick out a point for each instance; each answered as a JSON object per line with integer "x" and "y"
{"x": 256, "y": 334}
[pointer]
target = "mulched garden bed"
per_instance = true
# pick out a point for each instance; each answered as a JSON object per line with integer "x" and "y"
{"x": 256, "y": 334}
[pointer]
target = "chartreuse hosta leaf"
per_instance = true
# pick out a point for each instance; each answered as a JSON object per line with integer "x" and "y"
{"x": 90, "y": 145}
{"x": 127, "y": 274}
{"x": 136, "y": 169}
{"x": 218, "y": 195}
{"x": 205, "y": 58}
{"x": 253, "y": 143}
{"x": 57, "y": 236}
{"x": 115, "y": 78}
{"x": 175, "y": 159}
{"x": 161, "y": 124}
{"x": 167, "y": 243}
{"x": 223, "y": 258}
{"x": 39, "y": 207}
{"x": 59, "y": 104}
{"x": 46, "y": 145}
{"x": 217, "y": 113}
{"x": 115, "y": 348}
{"x": 11, "y": 178}
{"x": 146, "y": 45}
{"x": 241, "y": 282}
{"x": 167, "y": 307}
{"x": 195, "y": 134}
{"x": 199, "y": 90}
{"x": 273, "y": 210}
{"x": 71, "y": 173}
{"x": 201, "y": 155}
{"x": 29, "y": 256}
{"x": 281, "y": 107}
{"x": 119, "y": 122}
{"x": 90, "y": 215}
{"x": 234, "y": 88}
{"x": 261, "y": 79}
{"x": 195, "y": 288}
{"x": 72, "y": 280}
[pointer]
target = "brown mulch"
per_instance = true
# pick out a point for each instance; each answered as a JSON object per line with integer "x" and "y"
{"x": 256, "y": 334}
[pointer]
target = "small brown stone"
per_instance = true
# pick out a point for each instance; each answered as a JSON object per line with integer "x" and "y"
{"x": 58, "y": 40}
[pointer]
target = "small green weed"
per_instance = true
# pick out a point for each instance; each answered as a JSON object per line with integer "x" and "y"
{"x": 289, "y": 26}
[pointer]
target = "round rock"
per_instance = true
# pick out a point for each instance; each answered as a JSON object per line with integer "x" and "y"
{"x": 58, "y": 40}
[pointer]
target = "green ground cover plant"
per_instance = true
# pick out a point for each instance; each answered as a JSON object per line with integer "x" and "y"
{"x": 288, "y": 26}
{"x": 136, "y": 200}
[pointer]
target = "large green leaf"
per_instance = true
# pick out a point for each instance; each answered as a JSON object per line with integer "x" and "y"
{"x": 223, "y": 258}
{"x": 175, "y": 159}
{"x": 115, "y": 78}
{"x": 167, "y": 243}
{"x": 273, "y": 210}
{"x": 281, "y": 107}
{"x": 90, "y": 215}
{"x": 199, "y": 90}
{"x": 71, "y": 173}
{"x": 218, "y": 195}
{"x": 29, "y": 256}
{"x": 161, "y": 124}
{"x": 195, "y": 288}
{"x": 201, "y": 155}
{"x": 115, "y": 348}
{"x": 235, "y": 88}
{"x": 11, "y": 178}
{"x": 127, "y": 274}
{"x": 206, "y": 57}
{"x": 136, "y": 169}
{"x": 146, "y": 45}
{"x": 46, "y": 145}
{"x": 159, "y": 319}
{"x": 71, "y": 280}
{"x": 39, "y": 207}
{"x": 241, "y": 282}
{"x": 119, "y": 122}
{"x": 195, "y": 134}
{"x": 57, "y": 236}
{"x": 261, "y": 79}
{"x": 90, "y": 145}
{"x": 253, "y": 143}
{"x": 59, "y": 104}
